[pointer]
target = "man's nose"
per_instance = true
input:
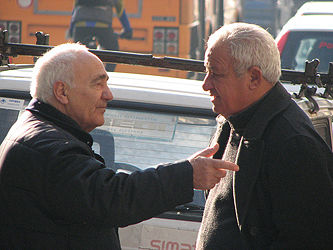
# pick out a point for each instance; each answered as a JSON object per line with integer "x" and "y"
{"x": 207, "y": 85}
{"x": 107, "y": 94}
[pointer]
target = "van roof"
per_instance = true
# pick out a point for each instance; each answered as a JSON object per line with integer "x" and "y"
{"x": 132, "y": 87}
{"x": 155, "y": 90}
{"x": 312, "y": 8}
{"x": 310, "y": 23}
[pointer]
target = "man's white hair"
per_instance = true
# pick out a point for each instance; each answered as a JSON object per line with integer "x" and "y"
{"x": 57, "y": 64}
{"x": 249, "y": 45}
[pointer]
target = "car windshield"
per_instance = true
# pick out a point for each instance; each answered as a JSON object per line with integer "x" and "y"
{"x": 146, "y": 138}
{"x": 135, "y": 139}
{"x": 302, "y": 46}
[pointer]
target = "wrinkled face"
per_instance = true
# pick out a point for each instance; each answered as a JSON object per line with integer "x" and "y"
{"x": 228, "y": 91}
{"x": 87, "y": 100}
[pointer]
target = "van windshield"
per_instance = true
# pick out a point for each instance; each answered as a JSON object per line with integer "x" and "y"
{"x": 135, "y": 139}
{"x": 302, "y": 46}
{"x": 146, "y": 138}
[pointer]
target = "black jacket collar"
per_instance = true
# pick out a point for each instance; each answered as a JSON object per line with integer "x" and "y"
{"x": 63, "y": 121}
{"x": 260, "y": 114}
{"x": 277, "y": 100}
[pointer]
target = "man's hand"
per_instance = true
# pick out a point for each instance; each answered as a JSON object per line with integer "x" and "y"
{"x": 206, "y": 171}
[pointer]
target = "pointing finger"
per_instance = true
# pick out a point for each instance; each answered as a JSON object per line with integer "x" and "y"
{"x": 207, "y": 152}
{"x": 225, "y": 165}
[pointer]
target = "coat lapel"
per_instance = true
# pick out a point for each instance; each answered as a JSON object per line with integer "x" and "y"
{"x": 221, "y": 136}
{"x": 245, "y": 179}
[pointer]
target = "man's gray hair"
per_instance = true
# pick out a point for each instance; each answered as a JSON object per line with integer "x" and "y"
{"x": 249, "y": 45}
{"x": 57, "y": 64}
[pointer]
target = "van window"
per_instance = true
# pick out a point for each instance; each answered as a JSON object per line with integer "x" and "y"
{"x": 135, "y": 139}
{"x": 10, "y": 109}
{"x": 146, "y": 138}
{"x": 8, "y": 117}
{"x": 302, "y": 46}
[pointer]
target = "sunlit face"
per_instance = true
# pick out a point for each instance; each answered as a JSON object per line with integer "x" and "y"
{"x": 228, "y": 91}
{"x": 87, "y": 100}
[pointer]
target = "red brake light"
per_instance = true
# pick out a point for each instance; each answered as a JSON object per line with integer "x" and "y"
{"x": 13, "y": 28}
{"x": 165, "y": 40}
{"x": 282, "y": 42}
{"x": 171, "y": 48}
{"x": 171, "y": 36}
{"x": 158, "y": 35}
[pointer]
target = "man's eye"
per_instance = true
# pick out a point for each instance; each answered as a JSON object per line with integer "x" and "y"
{"x": 213, "y": 74}
{"x": 217, "y": 75}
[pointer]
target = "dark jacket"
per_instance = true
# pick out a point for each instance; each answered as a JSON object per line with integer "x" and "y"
{"x": 283, "y": 192}
{"x": 97, "y": 14}
{"x": 55, "y": 193}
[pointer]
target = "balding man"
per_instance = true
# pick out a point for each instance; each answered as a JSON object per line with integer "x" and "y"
{"x": 55, "y": 192}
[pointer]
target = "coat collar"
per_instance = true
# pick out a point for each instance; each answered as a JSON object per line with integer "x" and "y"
{"x": 53, "y": 115}
{"x": 274, "y": 102}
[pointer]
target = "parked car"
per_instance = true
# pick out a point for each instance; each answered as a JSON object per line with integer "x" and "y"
{"x": 152, "y": 119}
{"x": 306, "y": 36}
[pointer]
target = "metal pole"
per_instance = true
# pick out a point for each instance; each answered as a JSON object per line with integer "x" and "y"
{"x": 220, "y": 13}
{"x": 202, "y": 31}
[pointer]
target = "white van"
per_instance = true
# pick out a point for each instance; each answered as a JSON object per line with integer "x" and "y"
{"x": 152, "y": 119}
{"x": 306, "y": 36}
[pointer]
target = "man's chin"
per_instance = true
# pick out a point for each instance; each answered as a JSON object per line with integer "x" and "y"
{"x": 99, "y": 122}
{"x": 218, "y": 111}
{"x": 215, "y": 110}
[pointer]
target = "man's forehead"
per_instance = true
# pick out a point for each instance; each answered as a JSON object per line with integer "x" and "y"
{"x": 213, "y": 57}
{"x": 207, "y": 59}
{"x": 217, "y": 60}
{"x": 90, "y": 69}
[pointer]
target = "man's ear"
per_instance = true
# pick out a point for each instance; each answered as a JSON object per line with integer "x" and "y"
{"x": 60, "y": 90}
{"x": 255, "y": 77}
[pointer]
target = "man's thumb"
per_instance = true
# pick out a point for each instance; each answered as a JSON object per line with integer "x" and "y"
{"x": 207, "y": 152}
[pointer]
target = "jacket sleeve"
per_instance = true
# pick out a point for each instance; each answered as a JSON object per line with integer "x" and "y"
{"x": 301, "y": 194}
{"x": 81, "y": 190}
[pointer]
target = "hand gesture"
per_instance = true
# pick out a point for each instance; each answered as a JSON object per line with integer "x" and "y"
{"x": 206, "y": 171}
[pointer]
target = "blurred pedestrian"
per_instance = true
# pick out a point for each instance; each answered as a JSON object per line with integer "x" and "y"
{"x": 91, "y": 23}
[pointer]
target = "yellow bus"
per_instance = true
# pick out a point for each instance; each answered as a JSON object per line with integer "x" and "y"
{"x": 162, "y": 28}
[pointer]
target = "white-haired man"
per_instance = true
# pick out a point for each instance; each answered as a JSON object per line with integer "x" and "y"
{"x": 55, "y": 192}
{"x": 281, "y": 198}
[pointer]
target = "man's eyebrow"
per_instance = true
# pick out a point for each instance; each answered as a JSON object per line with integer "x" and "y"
{"x": 208, "y": 66}
{"x": 100, "y": 77}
